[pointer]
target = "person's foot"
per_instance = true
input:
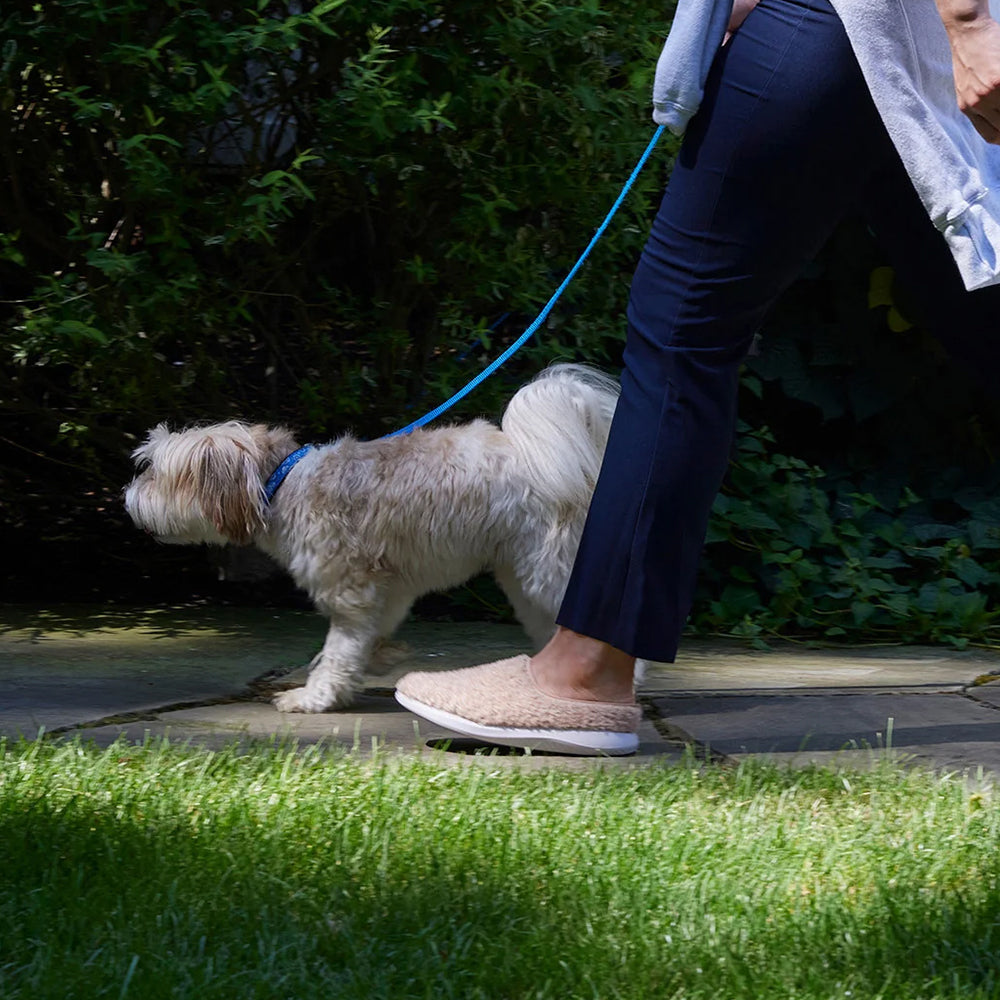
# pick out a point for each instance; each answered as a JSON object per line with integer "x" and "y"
{"x": 572, "y": 665}
{"x": 503, "y": 703}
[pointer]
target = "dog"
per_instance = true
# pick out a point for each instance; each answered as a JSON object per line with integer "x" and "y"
{"x": 366, "y": 527}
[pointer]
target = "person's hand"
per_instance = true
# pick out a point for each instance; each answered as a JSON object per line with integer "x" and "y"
{"x": 975, "y": 51}
{"x": 740, "y": 10}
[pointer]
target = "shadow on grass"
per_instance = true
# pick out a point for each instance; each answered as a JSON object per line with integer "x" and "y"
{"x": 103, "y": 896}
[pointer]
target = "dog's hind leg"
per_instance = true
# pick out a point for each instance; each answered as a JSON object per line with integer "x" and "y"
{"x": 387, "y": 653}
{"x": 337, "y": 671}
{"x": 537, "y": 617}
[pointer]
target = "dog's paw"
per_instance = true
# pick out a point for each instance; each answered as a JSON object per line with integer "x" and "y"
{"x": 301, "y": 699}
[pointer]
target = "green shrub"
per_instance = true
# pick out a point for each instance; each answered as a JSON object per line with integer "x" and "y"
{"x": 312, "y": 215}
{"x": 798, "y": 557}
{"x": 333, "y": 214}
{"x": 328, "y": 214}
{"x": 868, "y": 511}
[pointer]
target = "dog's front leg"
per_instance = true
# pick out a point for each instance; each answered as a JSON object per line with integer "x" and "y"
{"x": 335, "y": 674}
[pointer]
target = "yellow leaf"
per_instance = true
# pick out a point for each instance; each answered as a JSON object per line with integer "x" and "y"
{"x": 898, "y": 323}
{"x": 880, "y": 287}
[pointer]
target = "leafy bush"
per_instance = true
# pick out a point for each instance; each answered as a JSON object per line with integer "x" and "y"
{"x": 322, "y": 213}
{"x": 869, "y": 510}
{"x": 801, "y": 558}
{"x": 332, "y": 214}
{"x": 311, "y": 210}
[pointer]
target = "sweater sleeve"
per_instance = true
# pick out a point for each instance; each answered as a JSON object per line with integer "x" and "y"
{"x": 904, "y": 54}
{"x": 698, "y": 29}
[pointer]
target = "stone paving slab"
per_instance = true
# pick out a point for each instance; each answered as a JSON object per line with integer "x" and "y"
{"x": 375, "y": 723}
{"x": 712, "y": 666}
{"x": 935, "y": 728}
{"x": 70, "y": 667}
{"x": 987, "y": 693}
{"x": 203, "y": 674}
{"x": 66, "y": 670}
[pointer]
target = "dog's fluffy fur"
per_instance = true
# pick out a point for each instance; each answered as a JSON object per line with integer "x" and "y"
{"x": 367, "y": 527}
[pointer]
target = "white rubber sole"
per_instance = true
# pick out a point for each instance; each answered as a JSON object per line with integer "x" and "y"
{"x": 582, "y": 742}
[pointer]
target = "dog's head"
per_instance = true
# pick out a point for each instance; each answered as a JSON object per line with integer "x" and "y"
{"x": 205, "y": 484}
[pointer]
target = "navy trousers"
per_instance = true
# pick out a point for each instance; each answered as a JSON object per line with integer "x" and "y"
{"x": 787, "y": 143}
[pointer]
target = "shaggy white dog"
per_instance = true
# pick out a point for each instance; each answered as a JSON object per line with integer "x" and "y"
{"x": 366, "y": 527}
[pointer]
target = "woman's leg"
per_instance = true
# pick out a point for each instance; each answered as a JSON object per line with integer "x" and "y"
{"x": 781, "y": 149}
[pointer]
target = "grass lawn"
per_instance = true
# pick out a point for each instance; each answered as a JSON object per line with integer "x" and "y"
{"x": 161, "y": 871}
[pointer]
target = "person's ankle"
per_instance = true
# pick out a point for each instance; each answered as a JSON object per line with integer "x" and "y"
{"x": 576, "y": 666}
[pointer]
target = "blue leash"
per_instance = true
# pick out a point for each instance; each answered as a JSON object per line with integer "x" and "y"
{"x": 279, "y": 474}
{"x": 523, "y": 339}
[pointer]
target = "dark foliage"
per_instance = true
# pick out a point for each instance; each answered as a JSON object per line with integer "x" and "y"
{"x": 325, "y": 214}
{"x": 333, "y": 214}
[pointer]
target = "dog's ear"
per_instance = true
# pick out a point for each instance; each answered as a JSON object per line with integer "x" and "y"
{"x": 143, "y": 455}
{"x": 228, "y": 486}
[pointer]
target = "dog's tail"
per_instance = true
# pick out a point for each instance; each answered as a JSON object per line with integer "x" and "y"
{"x": 559, "y": 425}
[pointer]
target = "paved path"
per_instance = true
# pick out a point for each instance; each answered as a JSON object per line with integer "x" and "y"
{"x": 206, "y": 674}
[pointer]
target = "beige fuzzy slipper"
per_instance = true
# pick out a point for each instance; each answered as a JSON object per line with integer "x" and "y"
{"x": 501, "y": 703}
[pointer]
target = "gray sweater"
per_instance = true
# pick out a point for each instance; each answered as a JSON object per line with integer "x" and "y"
{"x": 902, "y": 49}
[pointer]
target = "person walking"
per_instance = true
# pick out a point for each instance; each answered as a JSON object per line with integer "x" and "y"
{"x": 794, "y": 114}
